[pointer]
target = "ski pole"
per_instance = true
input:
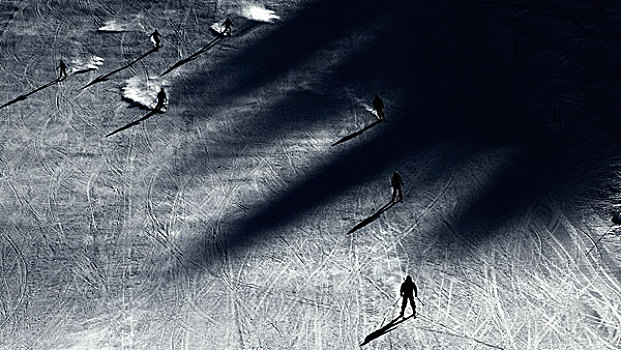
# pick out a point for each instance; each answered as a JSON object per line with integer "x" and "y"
{"x": 421, "y": 302}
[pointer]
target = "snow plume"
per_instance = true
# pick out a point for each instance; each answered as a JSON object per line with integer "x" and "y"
{"x": 129, "y": 25}
{"x": 357, "y": 100}
{"x": 80, "y": 65}
{"x": 143, "y": 92}
{"x": 218, "y": 27}
{"x": 258, "y": 13}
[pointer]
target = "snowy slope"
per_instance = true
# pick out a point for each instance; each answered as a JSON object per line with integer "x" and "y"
{"x": 221, "y": 224}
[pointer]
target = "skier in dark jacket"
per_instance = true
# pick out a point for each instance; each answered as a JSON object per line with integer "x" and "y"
{"x": 228, "y": 26}
{"x": 396, "y": 183}
{"x": 408, "y": 292}
{"x": 161, "y": 99}
{"x": 156, "y": 38}
{"x": 62, "y": 67}
{"x": 378, "y": 104}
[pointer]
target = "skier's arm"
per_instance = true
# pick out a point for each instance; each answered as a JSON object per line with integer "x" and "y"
{"x": 415, "y": 290}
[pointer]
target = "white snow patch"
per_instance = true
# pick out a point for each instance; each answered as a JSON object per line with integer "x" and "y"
{"x": 362, "y": 102}
{"x": 218, "y": 28}
{"x": 115, "y": 26}
{"x": 81, "y": 65}
{"x": 258, "y": 13}
{"x": 143, "y": 91}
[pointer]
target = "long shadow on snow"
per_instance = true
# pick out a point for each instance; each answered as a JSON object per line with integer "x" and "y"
{"x": 105, "y": 77}
{"x": 389, "y": 327}
{"x": 373, "y": 217}
{"x": 357, "y": 133}
{"x": 462, "y": 80}
{"x": 135, "y": 122}
{"x": 25, "y": 96}
{"x": 316, "y": 26}
{"x": 249, "y": 27}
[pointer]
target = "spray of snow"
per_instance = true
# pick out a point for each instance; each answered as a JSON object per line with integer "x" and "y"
{"x": 114, "y": 26}
{"x": 80, "y": 65}
{"x": 258, "y": 13}
{"x": 357, "y": 100}
{"x": 143, "y": 92}
{"x": 217, "y": 27}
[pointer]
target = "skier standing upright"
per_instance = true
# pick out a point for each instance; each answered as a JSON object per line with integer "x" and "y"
{"x": 161, "y": 99}
{"x": 156, "y": 38}
{"x": 408, "y": 292}
{"x": 228, "y": 26}
{"x": 378, "y": 104}
{"x": 62, "y": 67}
{"x": 396, "y": 183}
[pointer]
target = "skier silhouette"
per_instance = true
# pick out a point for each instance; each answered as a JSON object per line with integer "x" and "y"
{"x": 161, "y": 98}
{"x": 62, "y": 67}
{"x": 396, "y": 183}
{"x": 156, "y": 38}
{"x": 408, "y": 292}
{"x": 378, "y": 104}
{"x": 228, "y": 26}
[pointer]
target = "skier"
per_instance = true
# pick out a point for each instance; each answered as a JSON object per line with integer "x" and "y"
{"x": 156, "y": 38}
{"x": 396, "y": 183}
{"x": 228, "y": 26}
{"x": 378, "y": 104}
{"x": 161, "y": 98}
{"x": 62, "y": 67}
{"x": 408, "y": 292}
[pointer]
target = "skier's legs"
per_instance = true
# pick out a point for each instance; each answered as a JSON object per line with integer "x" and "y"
{"x": 404, "y": 304}
{"x": 394, "y": 194}
{"x": 400, "y": 194}
{"x": 411, "y": 297}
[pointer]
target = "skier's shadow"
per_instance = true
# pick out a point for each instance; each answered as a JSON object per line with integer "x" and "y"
{"x": 373, "y": 217}
{"x": 390, "y": 326}
{"x": 135, "y": 122}
{"x": 357, "y": 133}
{"x": 24, "y": 96}
{"x": 193, "y": 56}
{"x": 215, "y": 41}
{"x": 105, "y": 77}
